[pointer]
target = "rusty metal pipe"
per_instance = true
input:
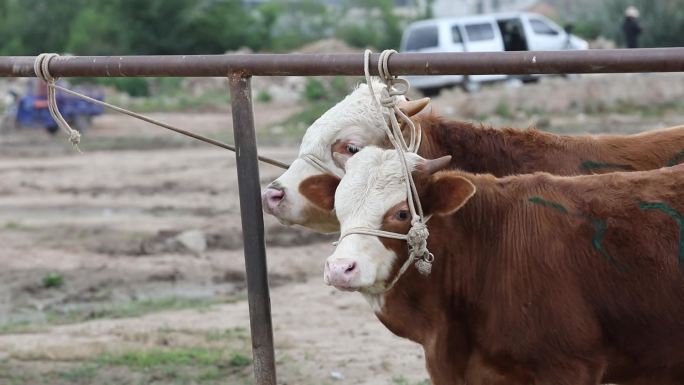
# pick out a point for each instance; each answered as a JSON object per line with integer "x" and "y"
{"x": 253, "y": 230}
{"x": 457, "y": 63}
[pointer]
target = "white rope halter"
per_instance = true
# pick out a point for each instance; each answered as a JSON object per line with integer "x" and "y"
{"x": 417, "y": 236}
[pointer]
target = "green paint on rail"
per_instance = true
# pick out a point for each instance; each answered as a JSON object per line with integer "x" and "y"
{"x": 678, "y": 158}
{"x": 591, "y": 165}
{"x": 674, "y": 214}
{"x": 601, "y": 227}
{"x": 541, "y": 201}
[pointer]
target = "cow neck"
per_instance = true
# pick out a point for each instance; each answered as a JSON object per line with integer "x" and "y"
{"x": 420, "y": 309}
{"x": 480, "y": 149}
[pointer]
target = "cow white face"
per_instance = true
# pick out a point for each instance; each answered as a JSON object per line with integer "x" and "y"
{"x": 344, "y": 129}
{"x": 372, "y": 194}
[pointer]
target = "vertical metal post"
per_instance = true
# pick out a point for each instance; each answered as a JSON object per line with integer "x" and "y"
{"x": 252, "y": 230}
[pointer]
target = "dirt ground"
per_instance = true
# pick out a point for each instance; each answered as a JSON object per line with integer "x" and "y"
{"x": 107, "y": 223}
{"x": 124, "y": 264}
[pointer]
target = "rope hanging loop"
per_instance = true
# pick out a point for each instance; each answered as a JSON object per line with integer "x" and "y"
{"x": 41, "y": 68}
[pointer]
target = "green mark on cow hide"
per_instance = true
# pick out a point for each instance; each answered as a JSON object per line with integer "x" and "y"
{"x": 590, "y": 165}
{"x": 676, "y": 159}
{"x": 541, "y": 201}
{"x": 676, "y": 216}
{"x": 601, "y": 227}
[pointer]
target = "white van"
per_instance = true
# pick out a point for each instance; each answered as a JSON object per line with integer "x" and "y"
{"x": 519, "y": 31}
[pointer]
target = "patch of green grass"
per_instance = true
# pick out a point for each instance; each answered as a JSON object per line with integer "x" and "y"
{"x": 78, "y": 373}
{"x": 20, "y": 327}
{"x": 14, "y": 225}
{"x": 177, "y": 101}
{"x": 401, "y": 380}
{"x": 503, "y": 110}
{"x": 153, "y": 358}
{"x": 126, "y": 310}
{"x": 295, "y": 126}
{"x": 228, "y": 334}
{"x": 131, "y": 309}
{"x": 627, "y": 107}
{"x": 239, "y": 360}
{"x": 53, "y": 280}
{"x": 264, "y": 96}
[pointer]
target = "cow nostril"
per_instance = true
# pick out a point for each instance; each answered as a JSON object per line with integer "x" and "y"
{"x": 350, "y": 268}
{"x": 275, "y": 194}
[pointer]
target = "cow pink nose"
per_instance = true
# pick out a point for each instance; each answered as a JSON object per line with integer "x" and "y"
{"x": 340, "y": 272}
{"x": 271, "y": 198}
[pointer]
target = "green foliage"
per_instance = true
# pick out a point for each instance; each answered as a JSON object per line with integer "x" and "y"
{"x": 264, "y": 96}
{"x": 662, "y": 21}
{"x": 53, "y": 280}
{"x": 152, "y": 358}
{"x": 131, "y": 86}
{"x": 587, "y": 29}
{"x": 305, "y": 21}
{"x": 160, "y": 27}
{"x": 401, "y": 380}
{"x": 239, "y": 360}
{"x": 381, "y": 28}
{"x": 314, "y": 90}
{"x": 503, "y": 110}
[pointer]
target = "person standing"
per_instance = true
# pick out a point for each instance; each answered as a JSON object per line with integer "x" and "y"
{"x": 631, "y": 27}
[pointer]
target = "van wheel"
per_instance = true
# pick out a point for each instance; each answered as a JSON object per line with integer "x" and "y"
{"x": 430, "y": 91}
{"x": 470, "y": 86}
{"x": 52, "y": 129}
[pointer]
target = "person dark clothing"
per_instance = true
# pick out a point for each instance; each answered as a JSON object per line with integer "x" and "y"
{"x": 632, "y": 30}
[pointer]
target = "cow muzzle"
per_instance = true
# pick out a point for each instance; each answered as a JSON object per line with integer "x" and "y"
{"x": 272, "y": 197}
{"x": 340, "y": 273}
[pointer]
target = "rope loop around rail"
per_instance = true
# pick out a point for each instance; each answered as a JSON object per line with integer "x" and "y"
{"x": 41, "y": 68}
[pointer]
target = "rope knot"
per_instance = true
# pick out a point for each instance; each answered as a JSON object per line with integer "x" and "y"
{"x": 417, "y": 239}
{"x": 75, "y": 137}
{"x": 389, "y": 102}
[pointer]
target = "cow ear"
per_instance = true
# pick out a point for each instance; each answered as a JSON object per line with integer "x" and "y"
{"x": 320, "y": 190}
{"x": 412, "y": 107}
{"x": 448, "y": 193}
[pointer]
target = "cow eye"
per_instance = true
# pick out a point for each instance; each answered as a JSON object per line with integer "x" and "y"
{"x": 352, "y": 148}
{"x": 402, "y": 215}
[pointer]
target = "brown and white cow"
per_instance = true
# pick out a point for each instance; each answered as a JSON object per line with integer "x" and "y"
{"x": 352, "y": 124}
{"x": 537, "y": 279}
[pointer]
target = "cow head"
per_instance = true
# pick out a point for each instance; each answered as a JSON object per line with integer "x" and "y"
{"x": 344, "y": 129}
{"x": 372, "y": 194}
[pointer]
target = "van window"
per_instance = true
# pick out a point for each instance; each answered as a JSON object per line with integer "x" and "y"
{"x": 420, "y": 38}
{"x": 456, "y": 35}
{"x": 541, "y": 28}
{"x": 479, "y": 32}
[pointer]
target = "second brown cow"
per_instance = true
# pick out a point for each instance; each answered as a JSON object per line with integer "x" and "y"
{"x": 537, "y": 279}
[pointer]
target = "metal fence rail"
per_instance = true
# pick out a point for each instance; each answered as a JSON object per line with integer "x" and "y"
{"x": 240, "y": 68}
{"x": 458, "y": 63}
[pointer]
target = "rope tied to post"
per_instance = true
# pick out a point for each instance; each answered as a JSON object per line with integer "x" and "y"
{"x": 41, "y": 68}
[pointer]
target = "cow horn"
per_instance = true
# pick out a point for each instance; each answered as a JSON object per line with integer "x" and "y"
{"x": 412, "y": 107}
{"x": 431, "y": 166}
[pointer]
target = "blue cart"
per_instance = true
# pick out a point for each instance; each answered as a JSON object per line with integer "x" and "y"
{"x": 31, "y": 110}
